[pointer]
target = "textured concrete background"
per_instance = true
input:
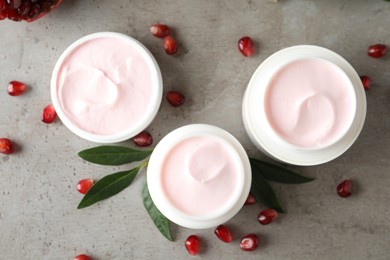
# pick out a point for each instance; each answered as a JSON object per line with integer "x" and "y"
{"x": 38, "y": 200}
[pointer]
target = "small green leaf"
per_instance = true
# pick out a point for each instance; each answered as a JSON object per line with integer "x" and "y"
{"x": 113, "y": 155}
{"x": 277, "y": 173}
{"x": 108, "y": 186}
{"x": 263, "y": 192}
{"x": 159, "y": 220}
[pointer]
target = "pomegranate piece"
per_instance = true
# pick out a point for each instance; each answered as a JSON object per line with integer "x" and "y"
{"x": 267, "y": 216}
{"x": 250, "y": 200}
{"x": 143, "y": 139}
{"x": 246, "y": 46}
{"x": 344, "y": 189}
{"x": 16, "y": 88}
{"x": 377, "y": 50}
{"x": 175, "y": 98}
{"x": 170, "y": 45}
{"x": 192, "y": 244}
{"x": 366, "y": 81}
{"x": 159, "y": 30}
{"x": 6, "y": 146}
{"x": 223, "y": 233}
{"x": 82, "y": 257}
{"x": 49, "y": 114}
{"x": 27, "y": 10}
{"x": 84, "y": 185}
{"x": 249, "y": 242}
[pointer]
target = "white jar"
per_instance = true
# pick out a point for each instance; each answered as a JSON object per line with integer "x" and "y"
{"x": 304, "y": 124}
{"x": 199, "y": 176}
{"x": 106, "y": 87}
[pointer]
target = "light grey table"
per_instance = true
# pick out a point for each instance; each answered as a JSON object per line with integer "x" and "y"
{"x": 38, "y": 200}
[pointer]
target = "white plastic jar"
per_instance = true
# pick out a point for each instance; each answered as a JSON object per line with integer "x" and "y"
{"x": 304, "y": 105}
{"x": 199, "y": 176}
{"x": 106, "y": 87}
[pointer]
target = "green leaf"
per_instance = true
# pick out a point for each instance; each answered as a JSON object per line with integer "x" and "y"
{"x": 113, "y": 155}
{"x": 159, "y": 220}
{"x": 108, "y": 186}
{"x": 263, "y": 192}
{"x": 277, "y": 173}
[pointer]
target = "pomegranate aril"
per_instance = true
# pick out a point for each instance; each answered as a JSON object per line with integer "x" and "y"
{"x": 246, "y": 46}
{"x": 249, "y": 242}
{"x": 224, "y": 233}
{"x": 250, "y": 200}
{"x": 16, "y": 88}
{"x": 192, "y": 244}
{"x": 344, "y": 189}
{"x": 159, "y": 30}
{"x": 84, "y": 185}
{"x": 366, "y": 81}
{"x": 175, "y": 98}
{"x": 6, "y": 146}
{"x": 267, "y": 216}
{"x": 377, "y": 50}
{"x": 14, "y": 4}
{"x": 143, "y": 139}
{"x": 170, "y": 45}
{"x": 49, "y": 114}
{"x": 82, "y": 257}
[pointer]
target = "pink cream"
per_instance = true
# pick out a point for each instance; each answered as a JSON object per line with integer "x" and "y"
{"x": 104, "y": 85}
{"x": 200, "y": 176}
{"x": 310, "y": 103}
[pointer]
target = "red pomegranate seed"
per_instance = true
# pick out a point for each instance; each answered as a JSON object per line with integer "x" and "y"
{"x": 267, "y": 216}
{"x": 366, "y": 82}
{"x": 175, "y": 98}
{"x": 170, "y": 46}
{"x": 16, "y": 88}
{"x": 84, "y": 185}
{"x": 250, "y": 200}
{"x": 82, "y": 257}
{"x": 6, "y": 146}
{"x": 159, "y": 30}
{"x": 192, "y": 244}
{"x": 344, "y": 189}
{"x": 143, "y": 139}
{"x": 246, "y": 46}
{"x": 249, "y": 242}
{"x": 224, "y": 234}
{"x": 377, "y": 50}
{"x": 49, "y": 114}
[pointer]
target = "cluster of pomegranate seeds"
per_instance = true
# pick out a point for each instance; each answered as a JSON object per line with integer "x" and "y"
{"x": 192, "y": 244}
{"x": 366, "y": 81}
{"x": 28, "y": 10}
{"x": 159, "y": 30}
{"x": 249, "y": 242}
{"x": 49, "y": 114}
{"x": 163, "y": 31}
{"x": 82, "y": 257}
{"x": 84, "y": 185}
{"x": 175, "y": 98}
{"x": 246, "y": 46}
{"x": 267, "y": 216}
{"x": 377, "y": 50}
{"x": 6, "y": 146}
{"x": 250, "y": 200}
{"x": 224, "y": 233}
{"x": 16, "y": 88}
{"x": 344, "y": 189}
{"x": 143, "y": 139}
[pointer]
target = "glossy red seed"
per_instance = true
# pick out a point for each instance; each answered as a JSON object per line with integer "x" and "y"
{"x": 249, "y": 242}
{"x": 14, "y": 4}
{"x": 16, "y": 88}
{"x": 159, "y": 30}
{"x": 84, "y": 185}
{"x": 224, "y": 233}
{"x": 366, "y": 81}
{"x": 377, "y": 50}
{"x": 170, "y": 45}
{"x": 6, "y": 146}
{"x": 267, "y": 216}
{"x": 250, "y": 200}
{"x": 175, "y": 98}
{"x": 192, "y": 244}
{"x": 246, "y": 46}
{"x": 49, "y": 114}
{"x": 344, "y": 189}
{"x": 143, "y": 139}
{"x": 82, "y": 257}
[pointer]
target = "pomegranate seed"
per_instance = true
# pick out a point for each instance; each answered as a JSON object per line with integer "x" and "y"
{"x": 14, "y": 4}
{"x": 224, "y": 234}
{"x": 366, "y": 82}
{"x": 344, "y": 189}
{"x": 175, "y": 98}
{"x": 84, "y": 185}
{"x": 249, "y": 242}
{"x": 82, "y": 257}
{"x": 377, "y": 50}
{"x": 246, "y": 46}
{"x": 16, "y": 88}
{"x": 6, "y": 146}
{"x": 170, "y": 45}
{"x": 159, "y": 30}
{"x": 192, "y": 244}
{"x": 250, "y": 200}
{"x": 267, "y": 216}
{"x": 143, "y": 139}
{"x": 49, "y": 114}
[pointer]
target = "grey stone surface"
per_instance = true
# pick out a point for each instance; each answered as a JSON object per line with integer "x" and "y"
{"x": 38, "y": 200}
